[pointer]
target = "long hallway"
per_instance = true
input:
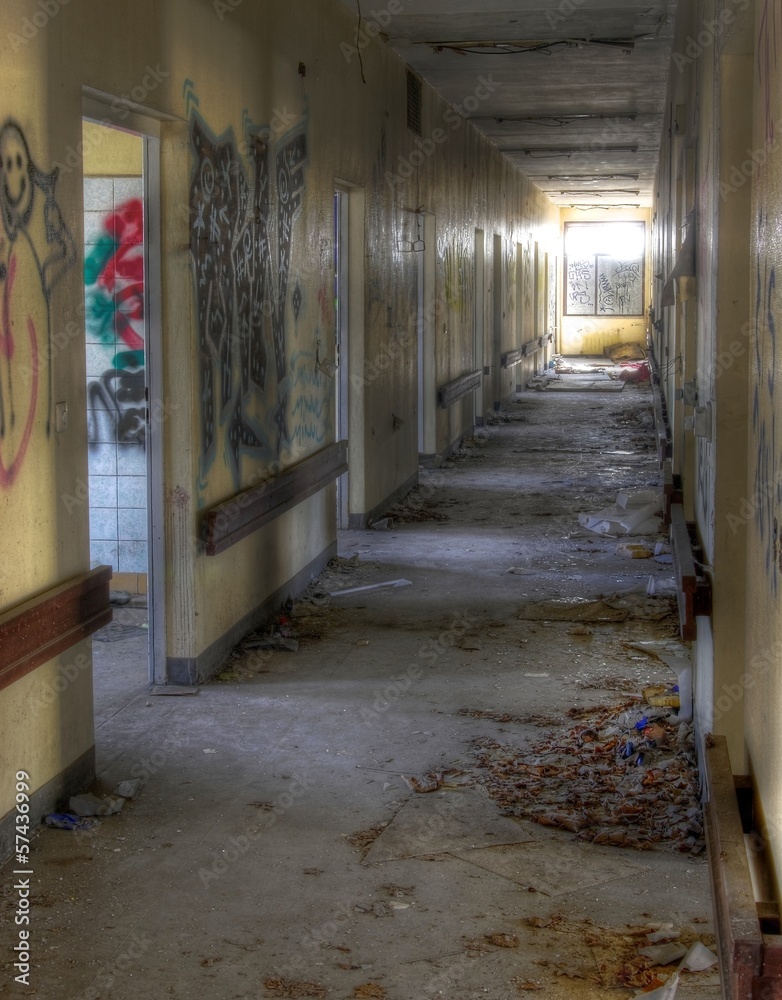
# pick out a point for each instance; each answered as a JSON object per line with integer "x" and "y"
{"x": 283, "y": 843}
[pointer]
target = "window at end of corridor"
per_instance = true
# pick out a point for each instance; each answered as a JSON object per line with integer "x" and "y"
{"x": 604, "y": 268}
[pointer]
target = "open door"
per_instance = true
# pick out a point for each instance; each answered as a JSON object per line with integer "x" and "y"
{"x": 124, "y": 379}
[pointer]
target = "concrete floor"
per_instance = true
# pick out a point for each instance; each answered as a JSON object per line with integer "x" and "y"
{"x": 276, "y": 849}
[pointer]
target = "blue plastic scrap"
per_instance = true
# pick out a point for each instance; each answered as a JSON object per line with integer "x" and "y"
{"x": 69, "y": 821}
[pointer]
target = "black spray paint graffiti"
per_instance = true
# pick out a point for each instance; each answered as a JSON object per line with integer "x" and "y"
{"x": 240, "y": 301}
{"x": 36, "y": 249}
{"x": 120, "y": 398}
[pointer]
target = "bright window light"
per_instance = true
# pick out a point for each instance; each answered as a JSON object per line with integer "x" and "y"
{"x": 604, "y": 269}
{"x": 617, "y": 239}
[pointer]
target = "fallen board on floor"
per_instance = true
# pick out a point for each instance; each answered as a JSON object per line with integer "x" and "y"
{"x": 603, "y": 385}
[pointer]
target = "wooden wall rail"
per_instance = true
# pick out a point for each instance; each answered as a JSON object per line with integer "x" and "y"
{"x": 458, "y": 387}
{"x": 662, "y": 433}
{"x": 513, "y": 358}
{"x": 693, "y": 590}
{"x": 750, "y": 960}
{"x": 672, "y": 490}
{"x": 227, "y": 523}
{"x": 45, "y": 626}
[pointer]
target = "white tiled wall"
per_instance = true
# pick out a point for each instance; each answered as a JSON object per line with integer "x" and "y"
{"x": 118, "y": 489}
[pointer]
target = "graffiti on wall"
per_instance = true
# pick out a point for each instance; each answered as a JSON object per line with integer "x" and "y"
{"x": 114, "y": 300}
{"x": 36, "y": 249}
{"x": 619, "y": 287}
{"x": 580, "y": 286}
{"x": 603, "y": 286}
{"x": 241, "y": 242}
{"x": 310, "y": 410}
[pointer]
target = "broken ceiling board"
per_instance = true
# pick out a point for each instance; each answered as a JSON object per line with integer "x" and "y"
{"x": 614, "y": 609}
{"x": 173, "y": 690}
{"x": 445, "y": 822}
{"x": 553, "y": 868}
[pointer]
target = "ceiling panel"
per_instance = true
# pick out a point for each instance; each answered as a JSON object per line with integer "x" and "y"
{"x": 577, "y": 88}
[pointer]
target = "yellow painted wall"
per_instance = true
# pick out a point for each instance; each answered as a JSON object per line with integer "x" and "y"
{"x": 214, "y": 80}
{"x": 42, "y": 472}
{"x": 762, "y": 680}
{"x": 592, "y": 334}
{"x": 725, "y": 118}
{"x": 111, "y": 152}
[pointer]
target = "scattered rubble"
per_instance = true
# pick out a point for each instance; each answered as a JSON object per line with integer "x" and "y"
{"x": 278, "y": 987}
{"x": 364, "y": 839}
{"x": 623, "y": 775}
{"x": 617, "y": 608}
{"x": 88, "y": 804}
{"x": 632, "y": 514}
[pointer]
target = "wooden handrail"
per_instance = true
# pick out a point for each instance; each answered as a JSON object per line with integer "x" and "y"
{"x": 45, "y": 626}
{"x": 458, "y": 387}
{"x": 693, "y": 590}
{"x": 739, "y": 939}
{"x": 227, "y": 523}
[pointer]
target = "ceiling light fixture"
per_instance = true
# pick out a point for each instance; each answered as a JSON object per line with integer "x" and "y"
{"x": 603, "y": 191}
{"x": 591, "y": 177}
{"x": 604, "y": 208}
{"x": 543, "y": 151}
{"x": 560, "y": 120}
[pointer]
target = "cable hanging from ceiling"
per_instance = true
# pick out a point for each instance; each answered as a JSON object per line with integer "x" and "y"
{"x": 522, "y": 48}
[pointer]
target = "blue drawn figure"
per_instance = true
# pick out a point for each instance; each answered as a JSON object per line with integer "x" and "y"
{"x": 38, "y": 239}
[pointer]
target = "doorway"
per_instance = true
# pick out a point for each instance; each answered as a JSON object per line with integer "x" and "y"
{"x": 341, "y": 316}
{"x": 124, "y": 401}
{"x": 425, "y": 324}
{"x": 478, "y": 348}
{"x": 498, "y": 297}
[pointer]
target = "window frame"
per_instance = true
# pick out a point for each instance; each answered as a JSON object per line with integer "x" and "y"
{"x": 594, "y": 260}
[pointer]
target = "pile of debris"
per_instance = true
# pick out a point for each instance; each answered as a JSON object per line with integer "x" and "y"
{"x": 624, "y": 776}
{"x": 420, "y": 504}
